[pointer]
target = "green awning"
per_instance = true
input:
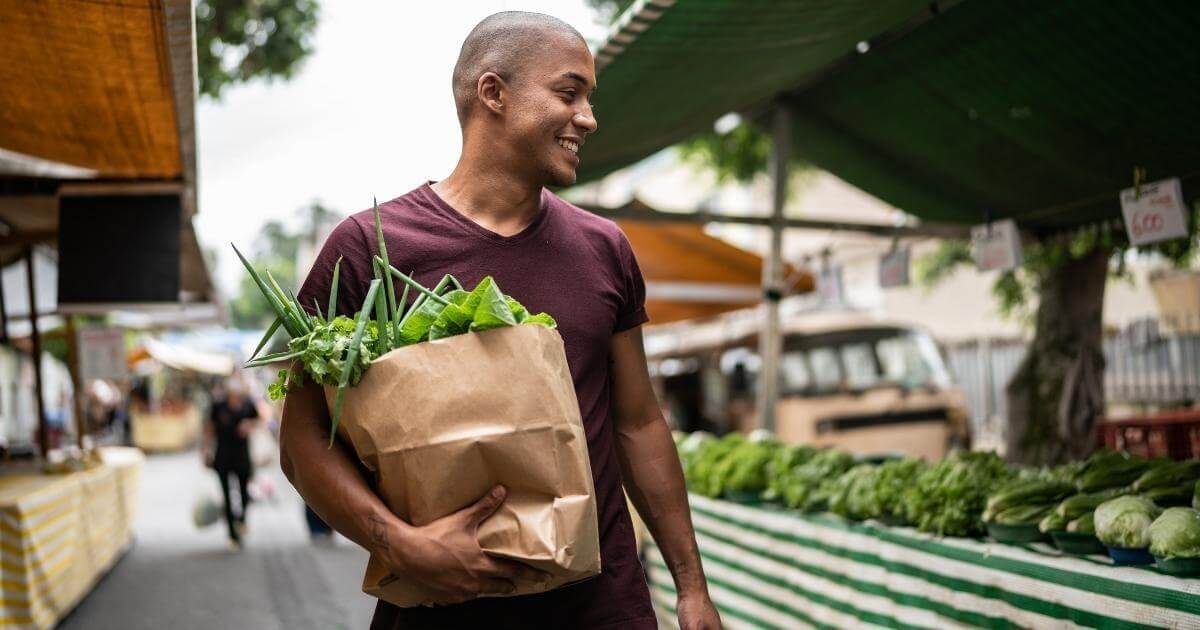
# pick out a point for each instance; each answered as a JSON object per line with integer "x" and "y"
{"x": 1025, "y": 109}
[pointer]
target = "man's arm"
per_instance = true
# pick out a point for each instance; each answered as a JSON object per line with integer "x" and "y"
{"x": 654, "y": 478}
{"x": 444, "y": 554}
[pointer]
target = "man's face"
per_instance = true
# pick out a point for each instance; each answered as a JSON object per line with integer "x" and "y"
{"x": 551, "y": 111}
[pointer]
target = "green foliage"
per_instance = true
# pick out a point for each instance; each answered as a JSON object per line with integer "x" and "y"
{"x": 948, "y": 499}
{"x": 240, "y": 40}
{"x": 275, "y": 251}
{"x": 1035, "y": 493}
{"x": 609, "y": 10}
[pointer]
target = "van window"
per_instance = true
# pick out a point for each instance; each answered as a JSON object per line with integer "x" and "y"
{"x": 826, "y": 373}
{"x": 794, "y": 372}
{"x": 859, "y": 361}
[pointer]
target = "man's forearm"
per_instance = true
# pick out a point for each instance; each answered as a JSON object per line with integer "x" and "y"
{"x": 328, "y": 478}
{"x": 654, "y": 481}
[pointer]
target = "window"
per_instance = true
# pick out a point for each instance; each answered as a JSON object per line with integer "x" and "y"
{"x": 794, "y": 372}
{"x": 826, "y": 373}
{"x": 859, "y": 361}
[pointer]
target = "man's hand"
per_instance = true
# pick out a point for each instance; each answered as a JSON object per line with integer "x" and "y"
{"x": 445, "y": 554}
{"x": 244, "y": 428}
{"x": 696, "y": 612}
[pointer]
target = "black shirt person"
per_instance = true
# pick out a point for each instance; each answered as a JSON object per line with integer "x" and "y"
{"x": 230, "y": 423}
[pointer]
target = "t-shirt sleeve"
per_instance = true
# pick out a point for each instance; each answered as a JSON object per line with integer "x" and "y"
{"x": 633, "y": 290}
{"x": 347, "y": 242}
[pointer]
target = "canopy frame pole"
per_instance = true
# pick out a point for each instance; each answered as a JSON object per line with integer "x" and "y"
{"x": 43, "y": 436}
{"x": 770, "y": 342}
{"x": 81, "y": 424}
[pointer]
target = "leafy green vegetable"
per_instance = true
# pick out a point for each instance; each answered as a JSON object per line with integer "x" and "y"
{"x": 1023, "y": 514}
{"x": 1109, "y": 470}
{"x": 810, "y": 485}
{"x": 1085, "y": 524}
{"x": 1033, "y": 492}
{"x": 1176, "y": 534}
{"x": 783, "y": 461}
{"x": 1052, "y": 522}
{"x": 336, "y": 350}
{"x": 1173, "y": 474}
{"x": 744, "y": 469}
{"x": 1196, "y": 497}
{"x": 1125, "y": 521}
{"x": 948, "y": 499}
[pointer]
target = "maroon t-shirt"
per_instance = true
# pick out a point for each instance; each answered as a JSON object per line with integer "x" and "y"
{"x": 580, "y": 269}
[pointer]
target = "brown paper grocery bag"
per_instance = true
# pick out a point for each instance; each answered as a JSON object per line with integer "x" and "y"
{"x": 440, "y": 423}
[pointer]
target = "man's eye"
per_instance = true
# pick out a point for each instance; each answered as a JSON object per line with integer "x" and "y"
{"x": 568, "y": 93}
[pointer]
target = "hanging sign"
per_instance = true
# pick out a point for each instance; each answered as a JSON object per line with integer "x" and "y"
{"x": 1155, "y": 212}
{"x": 101, "y": 354}
{"x": 829, "y": 284}
{"x": 996, "y": 245}
{"x": 893, "y": 268}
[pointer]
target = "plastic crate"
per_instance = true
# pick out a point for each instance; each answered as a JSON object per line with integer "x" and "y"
{"x": 1174, "y": 434}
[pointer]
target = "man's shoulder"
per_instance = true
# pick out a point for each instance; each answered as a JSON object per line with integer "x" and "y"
{"x": 359, "y": 226}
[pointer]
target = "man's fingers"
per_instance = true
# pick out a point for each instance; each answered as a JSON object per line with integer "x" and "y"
{"x": 486, "y": 506}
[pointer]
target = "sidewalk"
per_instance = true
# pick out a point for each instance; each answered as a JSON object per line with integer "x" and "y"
{"x": 176, "y": 577}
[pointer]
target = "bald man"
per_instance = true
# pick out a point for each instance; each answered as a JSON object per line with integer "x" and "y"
{"x": 522, "y": 87}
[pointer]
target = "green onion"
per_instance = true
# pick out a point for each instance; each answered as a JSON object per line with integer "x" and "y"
{"x": 267, "y": 337}
{"x": 351, "y": 358}
{"x": 337, "y": 269}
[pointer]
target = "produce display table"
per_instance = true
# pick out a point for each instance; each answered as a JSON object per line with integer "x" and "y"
{"x": 60, "y": 533}
{"x": 772, "y": 568}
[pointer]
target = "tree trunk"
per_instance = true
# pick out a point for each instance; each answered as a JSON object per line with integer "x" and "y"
{"x": 1058, "y": 391}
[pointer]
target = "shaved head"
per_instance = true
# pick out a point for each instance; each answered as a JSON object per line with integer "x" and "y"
{"x": 503, "y": 43}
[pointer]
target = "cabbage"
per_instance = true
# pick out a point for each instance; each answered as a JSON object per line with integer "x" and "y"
{"x": 1124, "y": 522}
{"x": 1176, "y": 534}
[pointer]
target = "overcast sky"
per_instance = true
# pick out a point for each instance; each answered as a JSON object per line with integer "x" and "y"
{"x": 370, "y": 113}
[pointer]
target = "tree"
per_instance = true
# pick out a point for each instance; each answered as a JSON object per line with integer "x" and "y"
{"x": 1057, "y": 391}
{"x": 239, "y": 40}
{"x": 275, "y": 251}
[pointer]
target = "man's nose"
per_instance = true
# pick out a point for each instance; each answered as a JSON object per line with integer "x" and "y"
{"x": 586, "y": 121}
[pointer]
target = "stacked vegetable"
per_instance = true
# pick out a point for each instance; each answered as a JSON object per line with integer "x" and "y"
{"x": 949, "y": 498}
{"x": 336, "y": 350}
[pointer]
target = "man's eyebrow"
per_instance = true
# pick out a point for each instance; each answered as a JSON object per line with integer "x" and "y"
{"x": 575, "y": 76}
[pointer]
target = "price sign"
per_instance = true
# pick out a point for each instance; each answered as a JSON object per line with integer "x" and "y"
{"x": 893, "y": 268}
{"x": 996, "y": 245}
{"x": 829, "y": 284}
{"x": 101, "y": 354}
{"x": 1156, "y": 213}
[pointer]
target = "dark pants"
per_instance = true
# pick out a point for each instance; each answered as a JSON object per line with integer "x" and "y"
{"x": 243, "y": 477}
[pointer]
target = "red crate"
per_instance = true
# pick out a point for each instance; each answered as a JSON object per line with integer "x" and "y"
{"x": 1174, "y": 434}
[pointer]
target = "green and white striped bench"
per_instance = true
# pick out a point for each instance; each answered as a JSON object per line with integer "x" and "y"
{"x": 769, "y": 568}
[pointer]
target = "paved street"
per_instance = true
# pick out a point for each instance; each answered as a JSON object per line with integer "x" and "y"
{"x": 178, "y": 578}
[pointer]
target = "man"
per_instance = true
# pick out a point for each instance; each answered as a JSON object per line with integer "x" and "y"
{"x": 522, "y": 86}
{"x": 230, "y": 423}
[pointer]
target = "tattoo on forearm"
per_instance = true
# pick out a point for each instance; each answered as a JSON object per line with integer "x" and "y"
{"x": 378, "y": 531}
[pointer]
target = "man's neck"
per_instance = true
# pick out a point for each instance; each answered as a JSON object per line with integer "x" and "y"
{"x": 491, "y": 197}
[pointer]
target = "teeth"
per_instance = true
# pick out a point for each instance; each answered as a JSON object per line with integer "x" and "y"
{"x": 568, "y": 145}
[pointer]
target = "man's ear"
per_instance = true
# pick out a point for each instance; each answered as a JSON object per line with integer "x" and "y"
{"x": 492, "y": 91}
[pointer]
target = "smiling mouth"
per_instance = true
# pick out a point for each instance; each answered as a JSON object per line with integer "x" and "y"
{"x": 568, "y": 145}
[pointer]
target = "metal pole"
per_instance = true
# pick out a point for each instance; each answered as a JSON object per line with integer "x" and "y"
{"x": 770, "y": 340}
{"x": 43, "y": 437}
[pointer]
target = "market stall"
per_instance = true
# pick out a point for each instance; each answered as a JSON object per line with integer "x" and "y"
{"x": 769, "y": 567}
{"x": 167, "y": 409}
{"x": 59, "y": 533}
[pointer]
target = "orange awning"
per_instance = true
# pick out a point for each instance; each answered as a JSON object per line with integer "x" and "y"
{"x": 690, "y": 274}
{"x": 88, "y": 85}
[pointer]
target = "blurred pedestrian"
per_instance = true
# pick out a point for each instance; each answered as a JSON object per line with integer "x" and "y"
{"x": 231, "y": 421}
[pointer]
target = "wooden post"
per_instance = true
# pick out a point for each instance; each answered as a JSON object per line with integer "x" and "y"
{"x": 76, "y": 384}
{"x": 770, "y": 339}
{"x": 43, "y": 436}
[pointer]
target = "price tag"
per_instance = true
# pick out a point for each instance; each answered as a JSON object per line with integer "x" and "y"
{"x": 996, "y": 245}
{"x": 893, "y": 268}
{"x": 1156, "y": 214}
{"x": 829, "y": 284}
